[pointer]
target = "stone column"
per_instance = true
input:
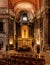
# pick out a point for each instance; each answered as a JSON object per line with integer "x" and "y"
{"x": 5, "y": 26}
{"x": 14, "y": 34}
{"x": 45, "y": 31}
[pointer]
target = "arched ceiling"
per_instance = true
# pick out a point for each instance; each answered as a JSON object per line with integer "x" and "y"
{"x": 36, "y": 3}
{"x": 17, "y": 5}
{"x": 29, "y": 5}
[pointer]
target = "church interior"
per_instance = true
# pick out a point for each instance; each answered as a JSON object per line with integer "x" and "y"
{"x": 24, "y": 32}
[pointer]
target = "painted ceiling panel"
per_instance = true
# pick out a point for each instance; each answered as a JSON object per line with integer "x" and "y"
{"x": 3, "y": 3}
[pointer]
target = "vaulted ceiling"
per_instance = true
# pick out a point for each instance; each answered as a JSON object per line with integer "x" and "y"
{"x": 18, "y": 5}
{"x": 30, "y": 5}
{"x": 36, "y": 3}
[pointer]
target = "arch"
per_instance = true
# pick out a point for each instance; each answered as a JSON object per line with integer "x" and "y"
{"x": 24, "y": 6}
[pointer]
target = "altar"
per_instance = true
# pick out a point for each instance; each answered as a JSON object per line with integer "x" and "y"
{"x": 24, "y": 35}
{"x": 24, "y": 43}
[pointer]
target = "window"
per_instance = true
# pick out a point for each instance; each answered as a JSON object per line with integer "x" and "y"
{"x": 49, "y": 13}
{"x": 24, "y": 16}
{"x": 1, "y": 44}
{"x": 1, "y": 26}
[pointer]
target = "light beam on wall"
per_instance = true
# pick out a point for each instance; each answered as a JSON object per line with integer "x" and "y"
{"x": 11, "y": 40}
